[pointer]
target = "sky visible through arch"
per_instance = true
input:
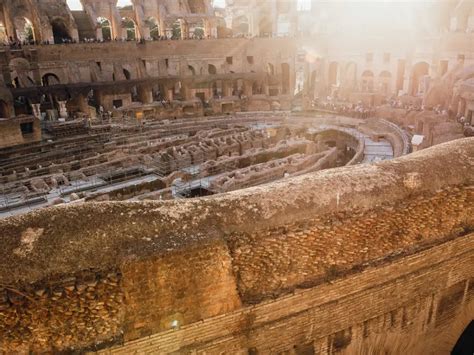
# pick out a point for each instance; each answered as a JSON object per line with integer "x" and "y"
{"x": 76, "y": 4}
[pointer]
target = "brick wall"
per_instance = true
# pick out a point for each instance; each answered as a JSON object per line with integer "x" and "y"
{"x": 394, "y": 308}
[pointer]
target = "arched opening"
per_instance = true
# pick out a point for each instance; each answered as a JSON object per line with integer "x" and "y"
{"x": 350, "y": 78}
{"x": 3, "y": 33}
{"x": 4, "y": 110}
{"x": 191, "y": 70}
{"x": 197, "y": 31}
{"x": 419, "y": 74}
{"x": 50, "y": 80}
{"x": 60, "y": 31}
{"x": 240, "y": 26}
{"x": 283, "y": 25}
{"x": 285, "y": 78}
{"x": 465, "y": 344}
{"x": 270, "y": 69}
{"x": 367, "y": 84}
{"x": 212, "y": 69}
{"x": 256, "y": 88}
{"x": 105, "y": 29}
{"x": 333, "y": 78}
{"x": 154, "y": 28}
{"x": 16, "y": 83}
{"x": 24, "y": 30}
{"x": 24, "y": 83}
{"x": 176, "y": 32}
{"x": 130, "y": 29}
{"x": 265, "y": 26}
{"x": 385, "y": 79}
{"x": 127, "y": 74}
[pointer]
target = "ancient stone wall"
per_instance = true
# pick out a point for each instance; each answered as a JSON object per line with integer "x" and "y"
{"x": 415, "y": 305}
{"x": 392, "y": 234}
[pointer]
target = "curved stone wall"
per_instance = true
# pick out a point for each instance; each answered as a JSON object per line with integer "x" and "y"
{"x": 78, "y": 275}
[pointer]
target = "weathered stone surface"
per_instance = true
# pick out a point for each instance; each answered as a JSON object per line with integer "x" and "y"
{"x": 124, "y": 271}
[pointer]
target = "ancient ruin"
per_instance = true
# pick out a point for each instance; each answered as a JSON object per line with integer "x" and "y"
{"x": 236, "y": 177}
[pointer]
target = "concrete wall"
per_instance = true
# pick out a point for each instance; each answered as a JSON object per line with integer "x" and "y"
{"x": 356, "y": 250}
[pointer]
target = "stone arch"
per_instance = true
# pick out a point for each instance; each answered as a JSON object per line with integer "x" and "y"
{"x": 178, "y": 29}
{"x": 197, "y": 29}
{"x": 419, "y": 72}
{"x": 50, "y": 79}
{"x": 104, "y": 30}
{"x": 130, "y": 29}
{"x": 191, "y": 70}
{"x": 385, "y": 81}
{"x": 25, "y": 30}
{"x": 154, "y": 27}
{"x": 61, "y": 32}
{"x": 211, "y": 69}
{"x": 367, "y": 81}
{"x": 20, "y": 72}
{"x": 127, "y": 74}
{"x": 240, "y": 25}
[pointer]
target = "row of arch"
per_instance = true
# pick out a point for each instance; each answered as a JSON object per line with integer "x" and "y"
{"x": 368, "y": 80}
{"x": 25, "y": 31}
{"x": 130, "y": 30}
{"x": 51, "y": 79}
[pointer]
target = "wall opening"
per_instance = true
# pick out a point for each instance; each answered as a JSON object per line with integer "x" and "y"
{"x": 26, "y": 128}
{"x": 117, "y": 103}
{"x": 25, "y": 31}
{"x": 212, "y": 69}
{"x": 153, "y": 27}
{"x": 130, "y": 29}
{"x": 50, "y": 79}
{"x": 419, "y": 74}
{"x": 4, "y": 111}
{"x": 60, "y": 32}
{"x": 105, "y": 29}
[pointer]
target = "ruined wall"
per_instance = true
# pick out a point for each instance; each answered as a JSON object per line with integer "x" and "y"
{"x": 10, "y": 131}
{"x": 391, "y": 236}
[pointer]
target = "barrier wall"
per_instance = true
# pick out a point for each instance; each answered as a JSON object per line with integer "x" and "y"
{"x": 218, "y": 274}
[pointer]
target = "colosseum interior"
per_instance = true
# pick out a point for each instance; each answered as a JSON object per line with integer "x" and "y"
{"x": 237, "y": 177}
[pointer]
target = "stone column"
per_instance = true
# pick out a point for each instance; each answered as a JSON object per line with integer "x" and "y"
{"x": 62, "y": 109}
{"x": 36, "y": 110}
{"x": 145, "y": 94}
{"x": 184, "y": 30}
{"x": 83, "y": 104}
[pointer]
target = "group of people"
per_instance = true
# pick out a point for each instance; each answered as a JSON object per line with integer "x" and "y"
{"x": 18, "y": 44}
{"x": 358, "y": 110}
